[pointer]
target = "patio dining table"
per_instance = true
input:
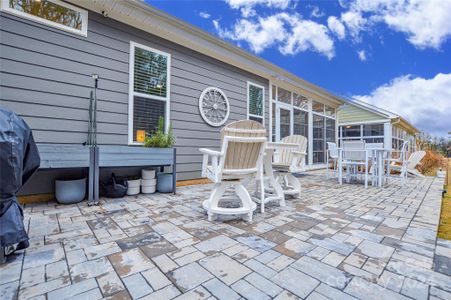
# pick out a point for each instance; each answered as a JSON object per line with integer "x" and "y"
{"x": 377, "y": 153}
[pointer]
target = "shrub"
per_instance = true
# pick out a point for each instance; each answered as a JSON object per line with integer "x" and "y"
{"x": 431, "y": 162}
{"x": 158, "y": 138}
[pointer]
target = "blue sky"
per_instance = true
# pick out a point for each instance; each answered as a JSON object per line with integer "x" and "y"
{"x": 394, "y": 54}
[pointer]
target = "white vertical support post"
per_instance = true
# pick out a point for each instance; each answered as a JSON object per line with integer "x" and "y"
{"x": 270, "y": 111}
{"x": 387, "y": 136}
{"x": 310, "y": 133}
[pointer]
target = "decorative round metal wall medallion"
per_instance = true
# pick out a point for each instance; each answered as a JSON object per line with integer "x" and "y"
{"x": 214, "y": 106}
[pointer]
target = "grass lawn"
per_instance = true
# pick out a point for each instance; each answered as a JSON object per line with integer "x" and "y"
{"x": 444, "y": 229}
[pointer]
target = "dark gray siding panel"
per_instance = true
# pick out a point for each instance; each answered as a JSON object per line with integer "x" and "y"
{"x": 45, "y": 76}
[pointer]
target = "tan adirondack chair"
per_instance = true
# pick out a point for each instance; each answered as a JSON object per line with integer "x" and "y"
{"x": 240, "y": 160}
{"x": 288, "y": 161}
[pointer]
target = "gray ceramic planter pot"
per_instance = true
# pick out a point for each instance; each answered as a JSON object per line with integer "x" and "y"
{"x": 70, "y": 191}
{"x": 164, "y": 182}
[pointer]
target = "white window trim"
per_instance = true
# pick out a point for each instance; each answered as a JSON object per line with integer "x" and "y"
{"x": 249, "y": 83}
{"x": 84, "y": 15}
{"x": 132, "y": 93}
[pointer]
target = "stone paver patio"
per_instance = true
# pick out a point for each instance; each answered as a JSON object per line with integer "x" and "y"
{"x": 337, "y": 242}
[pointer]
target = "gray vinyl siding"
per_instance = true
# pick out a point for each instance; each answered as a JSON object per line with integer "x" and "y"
{"x": 45, "y": 76}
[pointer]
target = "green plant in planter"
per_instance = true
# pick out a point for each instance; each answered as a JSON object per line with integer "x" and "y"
{"x": 160, "y": 139}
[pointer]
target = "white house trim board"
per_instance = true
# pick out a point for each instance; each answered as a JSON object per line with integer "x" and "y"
{"x": 364, "y": 122}
{"x": 132, "y": 93}
{"x": 4, "y": 6}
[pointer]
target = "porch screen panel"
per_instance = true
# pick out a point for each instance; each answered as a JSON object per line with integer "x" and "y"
{"x": 330, "y": 131}
{"x": 318, "y": 139}
{"x": 301, "y": 124}
{"x": 285, "y": 123}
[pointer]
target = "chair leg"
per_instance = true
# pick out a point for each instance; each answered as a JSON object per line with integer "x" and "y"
{"x": 216, "y": 195}
{"x": 245, "y": 198}
{"x": 294, "y": 182}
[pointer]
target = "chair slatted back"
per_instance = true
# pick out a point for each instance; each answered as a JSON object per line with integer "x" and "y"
{"x": 414, "y": 159}
{"x": 333, "y": 149}
{"x": 354, "y": 150}
{"x": 242, "y": 155}
{"x": 373, "y": 146}
{"x": 285, "y": 156}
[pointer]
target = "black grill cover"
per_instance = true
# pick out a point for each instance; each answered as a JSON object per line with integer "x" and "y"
{"x": 19, "y": 160}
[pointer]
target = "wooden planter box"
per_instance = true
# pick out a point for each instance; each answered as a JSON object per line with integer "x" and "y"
{"x": 93, "y": 158}
{"x": 130, "y": 156}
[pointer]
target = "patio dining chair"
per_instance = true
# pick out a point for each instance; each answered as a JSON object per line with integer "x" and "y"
{"x": 352, "y": 156}
{"x": 287, "y": 161}
{"x": 240, "y": 160}
{"x": 372, "y": 158}
{"x": 332, "y": 154}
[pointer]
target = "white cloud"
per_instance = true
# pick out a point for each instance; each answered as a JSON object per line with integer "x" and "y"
{"x": 290, "y": 33}
{"x": 354, "y": 22}
{"x": 307, "y": 35}
{"x": 236, "y": 4}
{"x": 362, "y": 55}
{"x": 204, "y": 15}
{"x": 336, "y": 27}
{"x": 425, "y": 22}
{"x": 316, "y": 12}
{"x": 424, "y": 102}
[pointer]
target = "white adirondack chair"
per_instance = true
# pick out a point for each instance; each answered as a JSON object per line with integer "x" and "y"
{"x": 408, "y": 167}
{"x": 332, "y": 154}
{"x": 288, "y": 161}
{"x": 240, "y": 159}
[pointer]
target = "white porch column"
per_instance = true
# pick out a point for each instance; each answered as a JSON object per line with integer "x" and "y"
{"x": 387, "y": 135}
{"x": 310, "y": 133}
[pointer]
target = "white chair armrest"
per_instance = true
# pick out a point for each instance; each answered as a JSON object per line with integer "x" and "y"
{"x": 299, "y": 153}
{"x": 214, "y": 160}
{"x": 210, "y": 152}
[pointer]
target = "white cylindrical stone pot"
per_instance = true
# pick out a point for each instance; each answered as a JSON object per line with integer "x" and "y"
{"x": 148, "y": 182}
{"x": 147, "y": 174}
{"x": 148, "y": 189}
{"x": 133, "y": 187}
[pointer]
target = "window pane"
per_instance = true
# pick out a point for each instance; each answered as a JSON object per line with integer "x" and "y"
{"x": 284, "y": 95}
{"x": 255, "y": 100}
{"x": 300, "y": 101}
{"x": 329, "y": 111}
{"x": 146, "y": 113}
{"x": 318, "y": 107}
{"x": 49, "y": 11}
{"x": 351, "y": 131}
{"x": 373, "y": 130}
{"x": 150, "y": 72}
{"x": 318, "y": 139}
